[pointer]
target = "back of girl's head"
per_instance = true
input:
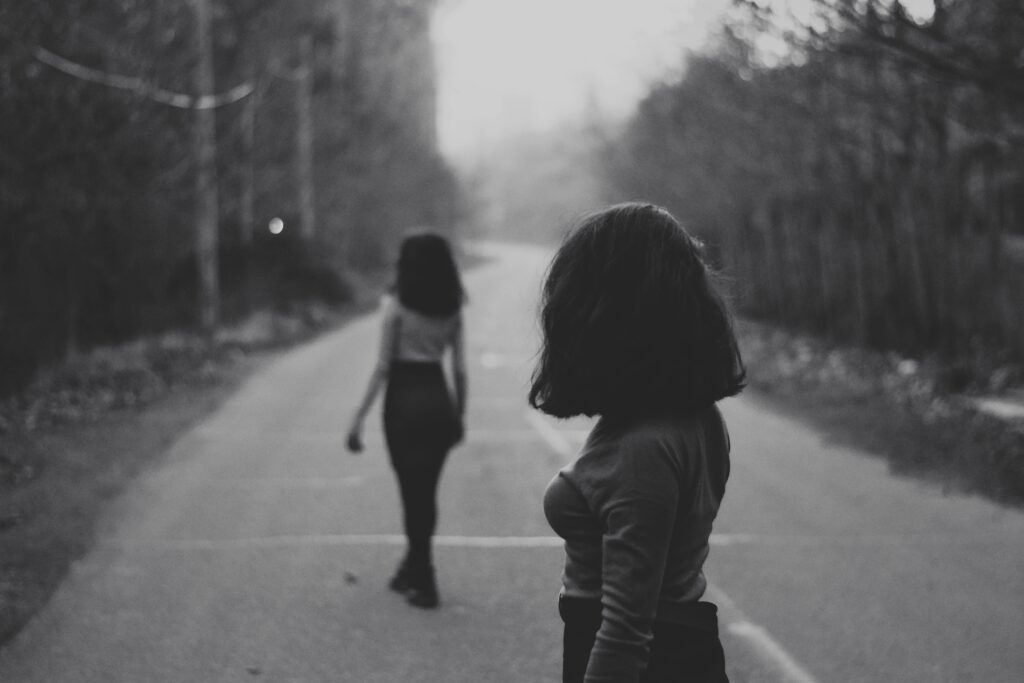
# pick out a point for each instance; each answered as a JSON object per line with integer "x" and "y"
{"x": 632, "y": 323}
{"x": 428, "y": 279}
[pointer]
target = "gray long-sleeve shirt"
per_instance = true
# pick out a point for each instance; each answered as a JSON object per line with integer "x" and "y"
{"x": 635, "y": 510}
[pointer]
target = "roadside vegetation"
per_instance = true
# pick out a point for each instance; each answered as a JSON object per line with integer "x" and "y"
{"x": 856, "y": 169}
{"x": 84, "y": 429}
{"x": 910, "y": 412}
{"x": 125, "y": 211}
{"x": 865, "y": 182}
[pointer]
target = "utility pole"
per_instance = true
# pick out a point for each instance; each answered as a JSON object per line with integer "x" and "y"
{"x": 304, "y": 136}
{"x": 205, "y": 142}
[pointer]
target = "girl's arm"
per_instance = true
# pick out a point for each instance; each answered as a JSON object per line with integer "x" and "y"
{"x": 639, "y": 514}
{"x": 459, "y": 377}
{"x": 388, "y": 345}
{"x": 459, "y": 368}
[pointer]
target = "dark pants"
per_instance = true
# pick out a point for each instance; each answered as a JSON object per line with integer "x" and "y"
{"x": 687, "y": 652}
{"x": 420, "y": 425}
{"x": 418, "y": 473}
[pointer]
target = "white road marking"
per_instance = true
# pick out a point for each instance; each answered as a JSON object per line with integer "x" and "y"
{"x": 491, "y": 360}
{"x": 496, "y": 402}
{"x": 730, "y": 539}
{"x": 321, "y": 540}
{"x": 307, "y": 540}
{"x": 375, "y": 436}
{"x": 311, "y": 483}
{"x": 501, "y": 435}
{"x": 789, "y": 670}
{"x": 554, "y": 438}
{"x": 498, "y": 541}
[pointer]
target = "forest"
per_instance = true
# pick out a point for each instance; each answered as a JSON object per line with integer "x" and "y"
{"x": 857, "y": 171}
{"x": 146, "y": 145}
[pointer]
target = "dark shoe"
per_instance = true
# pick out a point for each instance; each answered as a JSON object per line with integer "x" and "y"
{"x": 426, "y": 598}
{"x": 423, "y": 590}
{"x": 401, "y": 582}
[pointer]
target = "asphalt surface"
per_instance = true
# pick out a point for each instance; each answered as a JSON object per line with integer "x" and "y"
{"x": 260, "y": 550}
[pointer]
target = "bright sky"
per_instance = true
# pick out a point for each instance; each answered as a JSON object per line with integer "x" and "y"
{"x": 508, "y": 66}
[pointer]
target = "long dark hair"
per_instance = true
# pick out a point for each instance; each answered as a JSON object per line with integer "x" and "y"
{"x": 632, "y": 323}
{"x": 428, "y": 280}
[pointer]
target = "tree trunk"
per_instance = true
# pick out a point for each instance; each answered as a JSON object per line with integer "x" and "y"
{"x": 304, "y": 138}
{"x": 206, "y": 176}
{"x": 246, "y": 213}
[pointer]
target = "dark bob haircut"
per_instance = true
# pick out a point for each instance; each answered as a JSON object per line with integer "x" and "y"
{"x": 632, "y": 323}
{"x": 428, "y": 280}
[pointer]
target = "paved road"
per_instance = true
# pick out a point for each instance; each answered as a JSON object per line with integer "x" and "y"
{"x": 259, "y": 551}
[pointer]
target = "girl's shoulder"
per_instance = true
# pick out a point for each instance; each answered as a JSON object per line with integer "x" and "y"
{"x": 678, "y": 427}
{"x": 639, "y": 434}
{"x": 620, "y": 448}
{"x": 652, "y": 443}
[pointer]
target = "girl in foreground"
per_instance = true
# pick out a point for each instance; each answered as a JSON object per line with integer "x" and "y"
{"x": 422, "y": 422}
{"x": 634, "y": 332}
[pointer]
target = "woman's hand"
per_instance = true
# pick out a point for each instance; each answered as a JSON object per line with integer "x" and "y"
{"x": 354, "y": 442}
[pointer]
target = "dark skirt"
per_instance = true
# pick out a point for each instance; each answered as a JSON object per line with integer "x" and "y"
{"x": 419, "y": 413}
{"x": 689, "y": 651}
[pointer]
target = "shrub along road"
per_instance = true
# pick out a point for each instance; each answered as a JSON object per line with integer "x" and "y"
{"x": 259, "y": 549}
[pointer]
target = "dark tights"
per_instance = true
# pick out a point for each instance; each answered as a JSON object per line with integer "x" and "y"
{"x": 420, "y": 427}
{"x": 418, "y": 472}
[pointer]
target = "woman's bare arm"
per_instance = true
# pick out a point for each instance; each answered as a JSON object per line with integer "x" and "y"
{"x": 379, "y": 377}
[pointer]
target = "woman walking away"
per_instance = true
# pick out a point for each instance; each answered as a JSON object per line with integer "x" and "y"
{"x": 422, "y": 421}
{"x": 634, "y": 332}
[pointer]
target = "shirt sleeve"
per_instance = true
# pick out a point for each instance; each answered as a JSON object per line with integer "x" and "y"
{"x": 639, "y": 516}
{"x": 388, "y": 336}
{"x": 459, "y": 348}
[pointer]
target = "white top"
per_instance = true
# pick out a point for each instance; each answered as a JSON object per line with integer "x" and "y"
{"x": 411, "y": 336}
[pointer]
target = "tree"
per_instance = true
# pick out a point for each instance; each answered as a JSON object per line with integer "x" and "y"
{"x": 861, "y": 183}
{"x": 98, "y": 173}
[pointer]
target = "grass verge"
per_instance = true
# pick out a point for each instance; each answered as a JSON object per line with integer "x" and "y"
{"x": 895, "y": 407}
{"x": 85, "y": 429}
